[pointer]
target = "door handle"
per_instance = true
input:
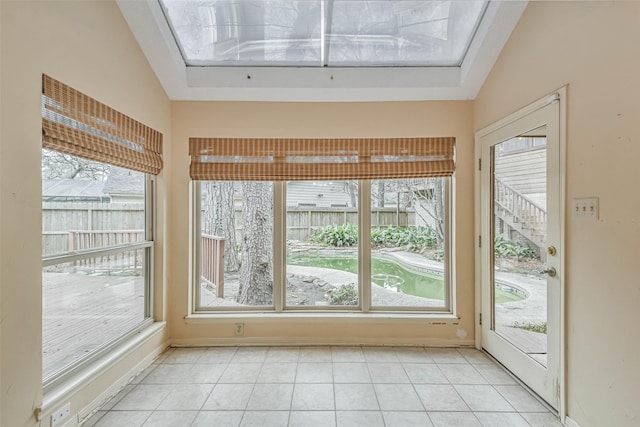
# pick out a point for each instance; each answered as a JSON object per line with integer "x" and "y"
{"x": 550, "y": 271}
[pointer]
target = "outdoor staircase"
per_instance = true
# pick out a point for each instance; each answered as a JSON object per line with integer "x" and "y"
{"x": 521, "y": 214}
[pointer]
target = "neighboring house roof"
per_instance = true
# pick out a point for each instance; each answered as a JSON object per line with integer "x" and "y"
{"x": 124, "y": 181}
{"x": 72, "y": 189}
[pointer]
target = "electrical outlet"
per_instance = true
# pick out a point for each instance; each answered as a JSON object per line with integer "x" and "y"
{"x": 238, "y": 329}
{"x": 586, "y": 208}
{"x": 60, "y": 414}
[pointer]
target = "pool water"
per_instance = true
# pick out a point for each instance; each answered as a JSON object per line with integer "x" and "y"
{"x": 390, "y": 274}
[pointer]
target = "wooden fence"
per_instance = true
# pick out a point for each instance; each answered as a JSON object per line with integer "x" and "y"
{"x": 66, "y": 224}
{"x": 59, "y": 219}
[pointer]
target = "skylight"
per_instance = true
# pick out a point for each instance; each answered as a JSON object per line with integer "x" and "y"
{"x": 323, "y": 33}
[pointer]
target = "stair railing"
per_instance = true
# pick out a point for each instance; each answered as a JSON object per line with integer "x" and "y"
{"x": 523, "y": 210}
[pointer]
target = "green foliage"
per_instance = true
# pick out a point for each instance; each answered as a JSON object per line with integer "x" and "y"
{"x": 344, "y": 295}
{"x": 508, "y": 249}
{"x": 533, "y": 327}
{"x": 409, "y": 238}
{"x": 336, "y": 235}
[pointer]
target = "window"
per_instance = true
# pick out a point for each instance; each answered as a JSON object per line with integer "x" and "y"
{"x": 97, "y": 227}
{"x": 521, "y": 144}
{"x": 316, "y": 33}
{"x": 321, "y": 244}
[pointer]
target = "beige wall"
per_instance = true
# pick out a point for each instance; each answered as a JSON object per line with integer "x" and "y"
{"x": 592, "y": 46}
{"x": 229, "y": 119}
{"x": 88, "y": 46}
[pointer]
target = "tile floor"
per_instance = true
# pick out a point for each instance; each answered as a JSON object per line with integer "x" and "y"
{"x": 323, "y": 386}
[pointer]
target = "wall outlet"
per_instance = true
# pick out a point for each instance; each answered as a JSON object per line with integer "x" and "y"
{"x": 586, "y": 208}
{"x": 60, "y": 414}
{"x": 238, "y": 329}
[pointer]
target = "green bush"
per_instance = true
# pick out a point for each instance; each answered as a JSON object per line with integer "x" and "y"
{"x": 509, "y": 249}
{"x": 344, "y": 295}
{"x": 336, "y": 235}
{"x": 409, "y": 238}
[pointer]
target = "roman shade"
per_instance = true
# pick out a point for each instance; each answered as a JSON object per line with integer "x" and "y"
{"x": 74, "y": 123}
{"x": 242, "y": 159}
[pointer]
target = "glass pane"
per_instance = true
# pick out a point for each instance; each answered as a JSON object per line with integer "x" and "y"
{"x": 236, "y": 244}
{"x": 402, "y": 32}
{"x": 408, "y": 243}
{"x": 251, "y": 32}
{"x": 87, "y": 204}
{"x": 520, "y": 235}
{"x": 323, "y": 32}
{"x": 322, "y": 243}
{"x": 88, "y": 303}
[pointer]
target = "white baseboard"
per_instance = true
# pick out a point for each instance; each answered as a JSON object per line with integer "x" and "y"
{"x": 64, "y": 390}
{"x": 86, "y": 412}
{"x": 312, "y": 341}
{"x": 568, "y": 422}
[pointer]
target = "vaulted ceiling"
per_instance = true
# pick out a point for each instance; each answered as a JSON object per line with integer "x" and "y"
{"x": 321, "y": 50}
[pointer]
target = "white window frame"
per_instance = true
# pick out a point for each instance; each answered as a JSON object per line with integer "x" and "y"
{"x": 279, "y": 266}
{"x": 58, "y": 377}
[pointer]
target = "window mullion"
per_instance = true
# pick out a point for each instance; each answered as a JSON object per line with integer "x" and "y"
{"x": 364, "y": 244}
{"x": 149, "y": 222}
{"x": 195, "y": 270}
{"x": 279, "y": 242}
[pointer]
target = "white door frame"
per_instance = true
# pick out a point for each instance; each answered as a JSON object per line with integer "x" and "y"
{"x": 560, "y": 96}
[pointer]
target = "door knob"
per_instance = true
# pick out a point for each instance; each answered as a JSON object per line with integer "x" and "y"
{"x": 550, "y": 271}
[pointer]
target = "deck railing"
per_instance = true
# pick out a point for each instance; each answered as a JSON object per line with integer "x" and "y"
{"x": 91, "y": 239}
{"x": 80, "y": 240}
{"x": 212, "y": 261}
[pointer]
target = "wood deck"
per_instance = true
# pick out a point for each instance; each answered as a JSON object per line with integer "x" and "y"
{"x": 533, "y": 344}
{"x": 83, "y": 312}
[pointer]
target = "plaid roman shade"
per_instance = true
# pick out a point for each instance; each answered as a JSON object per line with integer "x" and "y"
{"x": 241, "y": 159}
{"x": 74, "y": 123}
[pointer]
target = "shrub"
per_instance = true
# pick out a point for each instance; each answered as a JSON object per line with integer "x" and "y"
{"x": 344, "y": 295}
{"x": 509, "y": 249}
{"x": 336, "y": 235}
{"x": 410, "y": 238}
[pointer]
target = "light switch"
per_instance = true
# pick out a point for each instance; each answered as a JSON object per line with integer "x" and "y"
{"x": 586, "y": 208}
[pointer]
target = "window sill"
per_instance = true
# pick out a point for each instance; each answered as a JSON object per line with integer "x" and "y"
{"x": 423, "y": 318}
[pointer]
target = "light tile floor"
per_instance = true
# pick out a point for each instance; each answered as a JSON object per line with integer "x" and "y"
{"x": 323, "y": 386}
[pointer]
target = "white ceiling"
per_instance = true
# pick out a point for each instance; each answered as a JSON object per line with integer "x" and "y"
{"x": 181, "y": 82}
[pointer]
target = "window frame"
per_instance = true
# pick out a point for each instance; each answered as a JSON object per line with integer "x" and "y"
{"x": 279, "y": 305}
{"x": 55, "y": 378}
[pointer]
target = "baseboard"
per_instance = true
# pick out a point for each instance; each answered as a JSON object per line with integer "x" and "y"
{"x": 312, "y": 341}
{"x": 71, "y": 386}
{"x": 568, "y": 422}
{"x": 118, "y": 385}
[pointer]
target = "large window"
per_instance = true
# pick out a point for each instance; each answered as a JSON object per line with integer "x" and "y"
{"x": 97, "y": 227}
{"x": 316, "y": 242}
{"x": 278, "y": 242}
{"x": 96, "y": 247}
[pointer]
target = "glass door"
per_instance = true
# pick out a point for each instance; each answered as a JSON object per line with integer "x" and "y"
{"x": 520, "y": 249}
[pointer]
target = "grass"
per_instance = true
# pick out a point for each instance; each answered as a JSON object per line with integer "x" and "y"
{"x": 540, "y": 328}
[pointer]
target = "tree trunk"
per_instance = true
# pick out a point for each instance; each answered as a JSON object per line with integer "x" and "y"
{"x": 219, "y": 219}
{"x": 434, "y": 207}
{"x": 256, "y": 271}
{"x": 352, "y": 191}
{"x": 381, "y": 193}
{"x": 438, "y": 208}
